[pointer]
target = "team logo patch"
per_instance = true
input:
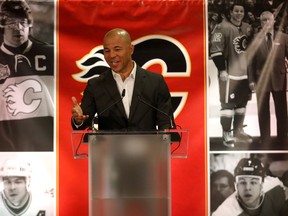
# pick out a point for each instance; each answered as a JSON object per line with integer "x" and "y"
{"x": 41, "y": 213}
{"x": 4, "y": 72}
{"x": 16, "y": 101}
{"x": 240, "y": 44}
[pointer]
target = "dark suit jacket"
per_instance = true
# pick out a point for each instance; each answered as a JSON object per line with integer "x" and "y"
{"x": 269, "y": 63}
{"x": 101, "y": 92}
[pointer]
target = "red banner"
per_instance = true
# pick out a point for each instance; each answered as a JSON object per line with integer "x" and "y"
{"x": 169, "y": 38}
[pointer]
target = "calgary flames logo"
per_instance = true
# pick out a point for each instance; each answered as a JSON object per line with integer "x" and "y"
{"x": 150, "y": 50}
{"x": 15, "y": 93}
{"x": 240, "y": 44}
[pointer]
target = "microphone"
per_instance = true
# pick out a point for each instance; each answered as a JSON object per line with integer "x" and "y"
{"x": 107, "y": 108}
{"x": 175, "y": 136}
{"x": 155, "y": 108}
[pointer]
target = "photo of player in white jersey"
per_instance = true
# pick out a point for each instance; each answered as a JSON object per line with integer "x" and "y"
{"x": 257, "y": 192}
{"x": 26, "y": 82}
{"x": 17, "y": 196}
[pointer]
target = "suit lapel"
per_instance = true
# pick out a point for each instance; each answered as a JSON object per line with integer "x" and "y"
{"x": 138, "y": 89}
{"x": 263, "y": 47}
{"x": 112, "y": 89}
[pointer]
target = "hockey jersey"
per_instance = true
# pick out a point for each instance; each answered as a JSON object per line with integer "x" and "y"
{"x": 272, "y": 203}
{"x": 37, "y": 205}
{"x": 231, "y": 41}
{"x": 27, "y": 98}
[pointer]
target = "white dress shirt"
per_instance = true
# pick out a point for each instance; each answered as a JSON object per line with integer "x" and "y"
{"x": 128, "y": 85}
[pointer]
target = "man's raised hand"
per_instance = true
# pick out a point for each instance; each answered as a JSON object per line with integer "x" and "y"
{"x": 77, "y": 113}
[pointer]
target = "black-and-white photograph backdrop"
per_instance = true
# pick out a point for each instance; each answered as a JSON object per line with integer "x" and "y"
{"x": 247, "y": 120}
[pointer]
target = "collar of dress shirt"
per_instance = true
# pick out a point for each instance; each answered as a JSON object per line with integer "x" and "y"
{"x": 132, "y": 74}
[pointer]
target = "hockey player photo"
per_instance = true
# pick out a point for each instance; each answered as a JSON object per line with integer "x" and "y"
{"x": 17, "y": 197}
{"x": 247, "y": 92}
{"x": 228, "y": 44}
{"x": 26, "y": 82}
{"x": 256, "y": 193}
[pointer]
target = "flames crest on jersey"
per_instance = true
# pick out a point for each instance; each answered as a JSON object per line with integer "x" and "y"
{"x": 240, "y": 44}
{"x": 15, "y": 93}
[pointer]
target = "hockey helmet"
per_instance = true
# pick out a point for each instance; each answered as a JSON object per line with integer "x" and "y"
{"x": 284, "y": 178}
{"x": 250, "y": 166}
{"x": 15, "y": 9}
{"x": 15, "y": 167}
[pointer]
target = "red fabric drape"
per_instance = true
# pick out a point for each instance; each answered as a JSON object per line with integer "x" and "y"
{"x": 81, "y": 27}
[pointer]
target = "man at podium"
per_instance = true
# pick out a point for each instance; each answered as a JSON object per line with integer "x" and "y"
{"x": 126, "y": 96}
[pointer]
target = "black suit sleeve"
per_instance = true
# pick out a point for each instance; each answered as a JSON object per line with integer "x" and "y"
{"x": 88, "y": 107}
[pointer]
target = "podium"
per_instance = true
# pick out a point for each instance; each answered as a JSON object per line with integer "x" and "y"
{"x": 129, "y": 172}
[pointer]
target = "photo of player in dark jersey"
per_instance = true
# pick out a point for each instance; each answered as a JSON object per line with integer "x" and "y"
{"x": 228, "y": 45}
{"x": 26, "y": 82}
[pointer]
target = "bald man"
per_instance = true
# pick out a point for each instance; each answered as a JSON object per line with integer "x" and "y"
{"x": 267, "y": 77}
{"x": 125, "y": 97}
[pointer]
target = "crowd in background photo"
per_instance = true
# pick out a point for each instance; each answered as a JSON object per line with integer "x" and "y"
{"x": 218, "y": 10}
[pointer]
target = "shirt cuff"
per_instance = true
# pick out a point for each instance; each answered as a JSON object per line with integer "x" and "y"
{"x": 75, "y": 124}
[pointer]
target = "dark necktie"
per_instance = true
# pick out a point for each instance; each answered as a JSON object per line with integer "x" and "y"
{"x": 269, "y": 40}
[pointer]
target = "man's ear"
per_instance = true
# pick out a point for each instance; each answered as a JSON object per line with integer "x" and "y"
{"x": 132, "y": 49}
{"x": 235, "y": 185}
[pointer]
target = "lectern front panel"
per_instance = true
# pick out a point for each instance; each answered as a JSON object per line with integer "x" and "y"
{"x": 129, "y": 175}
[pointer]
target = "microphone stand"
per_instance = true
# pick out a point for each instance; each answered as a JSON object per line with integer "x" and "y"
{"x": 155, "y": 108}
{"x": 175, "y": 136}
{"x": 107, "y": 108}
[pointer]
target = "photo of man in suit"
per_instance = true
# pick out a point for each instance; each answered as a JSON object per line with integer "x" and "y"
{"x": 267, "y": 76}
{"x": 126, "y": 96}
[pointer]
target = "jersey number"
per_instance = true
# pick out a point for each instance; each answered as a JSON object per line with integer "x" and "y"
{"x": 41, "y": 213}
